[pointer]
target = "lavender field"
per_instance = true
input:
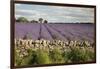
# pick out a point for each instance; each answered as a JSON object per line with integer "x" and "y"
{"x": 45, "y": 34}
{"x": 56, "y": 31}
{"x": 37, "y": 43}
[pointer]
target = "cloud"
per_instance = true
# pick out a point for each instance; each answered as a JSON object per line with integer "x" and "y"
{"x": 55, "y": 13}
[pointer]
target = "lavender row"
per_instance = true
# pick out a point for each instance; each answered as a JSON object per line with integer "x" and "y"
{"x": 55, "y": 31}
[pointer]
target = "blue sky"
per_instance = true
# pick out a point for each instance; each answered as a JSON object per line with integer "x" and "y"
{"x": 54, "y": 13}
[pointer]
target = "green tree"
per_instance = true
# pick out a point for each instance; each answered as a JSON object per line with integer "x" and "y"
{"x": 40, "y": 20}
{"x": 22, "y": 19}
{"x": 45, "y": 21}
{"x": 34, "y": 21}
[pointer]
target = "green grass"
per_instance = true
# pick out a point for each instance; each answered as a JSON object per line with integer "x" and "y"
{"x": 72, "y": 54}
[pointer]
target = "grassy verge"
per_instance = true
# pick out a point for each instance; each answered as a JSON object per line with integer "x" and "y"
{"x": 51, "y": 53}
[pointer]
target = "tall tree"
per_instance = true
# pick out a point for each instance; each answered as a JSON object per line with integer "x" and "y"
{"x": 45, "y": 21}
{"x": 40, "y": 20}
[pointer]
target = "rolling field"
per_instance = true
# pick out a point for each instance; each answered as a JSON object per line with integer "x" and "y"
{"x": 55, "y": 31}
{"x": 37, "y": 44}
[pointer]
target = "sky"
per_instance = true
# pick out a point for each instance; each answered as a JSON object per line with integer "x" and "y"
{"x": 54, "y": 13}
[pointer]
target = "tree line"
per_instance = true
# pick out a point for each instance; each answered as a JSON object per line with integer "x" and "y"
{"x": 23, "y": 19}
